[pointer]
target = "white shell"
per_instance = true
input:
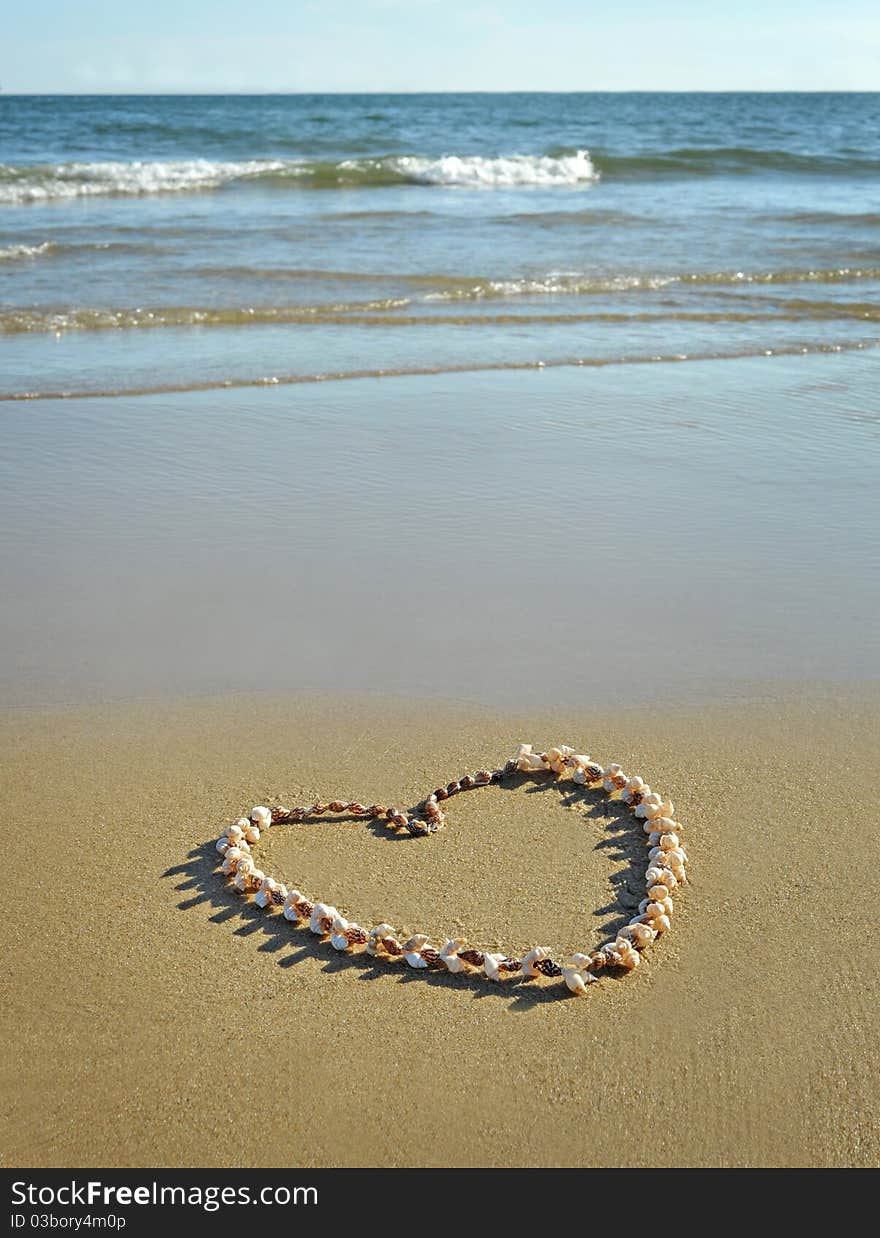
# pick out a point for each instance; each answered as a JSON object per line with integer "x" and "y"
{"x": 337, "y": 937}
{"x": 252, "y": 834}
{"x": 575, "y": 975}
{"x": 235, "y": 832}
{"x": 449, "y": 955}
{"x": 490, "y": 964}
{"x": 223, "y": 844}
{"x": 246, "y": 875}
{"x": 264, "y": 894}
{"x": 321, "y": 918}
{"x": 557, "y": 758}
{"x": 377, "y": 936}
{"x": 535, "y": 955}
{"x": 576, "y": 981}
{"x": 624, "y": 954}
{"x": 230, "y": 859}
{"x": 526, "y": 760}
{"x": 411, "y": 950}
{"x": 658, "y": 807}
{"x": 261, "y": 816}
{"x": 650, "y": 806}
{"x": 643, "y": 934}
{"x": 289, "y": 911}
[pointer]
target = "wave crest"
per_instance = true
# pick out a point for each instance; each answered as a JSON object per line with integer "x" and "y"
{"x": 13, "y": 253}
{"x": 48, "y": 182}
{"x": 475, "y": 171}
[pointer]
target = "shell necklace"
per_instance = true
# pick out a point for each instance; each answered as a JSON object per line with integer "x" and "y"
{"x": 665, "y": 872}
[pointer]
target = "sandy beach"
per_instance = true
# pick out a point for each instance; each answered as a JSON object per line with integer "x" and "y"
{"x": 159, "y": 1019}
{"x": 350, "y": 440}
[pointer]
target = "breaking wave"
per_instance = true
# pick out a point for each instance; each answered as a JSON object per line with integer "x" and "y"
{"x": 48, "y": 182}
{"x": 14, "y": 252}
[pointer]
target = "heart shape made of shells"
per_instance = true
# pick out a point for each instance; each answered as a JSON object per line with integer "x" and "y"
{"x": 665, "y": 873}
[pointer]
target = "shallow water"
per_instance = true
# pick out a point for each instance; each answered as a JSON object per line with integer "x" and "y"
{"x": 168, "y": 243}
{"x": 558, "y": 537}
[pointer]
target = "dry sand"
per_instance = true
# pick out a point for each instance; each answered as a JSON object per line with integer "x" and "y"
{"x": 153, "y": 1018}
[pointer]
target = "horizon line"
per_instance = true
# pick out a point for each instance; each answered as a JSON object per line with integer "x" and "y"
{"x": 257, "y": 94}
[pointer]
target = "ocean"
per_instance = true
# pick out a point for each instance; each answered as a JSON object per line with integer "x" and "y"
{"x": 609, "y": 423}
{"x": 171, "y": 243}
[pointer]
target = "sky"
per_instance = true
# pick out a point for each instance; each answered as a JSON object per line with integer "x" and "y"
{"x": 84, "y": 46}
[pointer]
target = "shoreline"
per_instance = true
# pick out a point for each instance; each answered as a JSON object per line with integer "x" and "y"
{"x": 141, "y": 946}
{"x": 478, "y": 369}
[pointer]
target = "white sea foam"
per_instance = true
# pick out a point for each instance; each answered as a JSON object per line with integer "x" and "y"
{"x": 553, "y": 284}
{"x": 24, "y": 184}
{"x": 478, "y": 172}
{"x": 74, "y": 180}
{"x": 565, "y": 283}
{"x": 12, "y": 252}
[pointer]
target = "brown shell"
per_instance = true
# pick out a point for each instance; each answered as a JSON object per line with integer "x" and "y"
{"x": 431, "y": 956}
{"x": 336, "y": 806}
{"x": 356, "y": 936}
{"x": 548, "y": 968}
{"x": 418, "y": 829}
{"x": 392, "y": 946}
{"x": 466, "y": 783}
{"x": 510, "y": 965}
{"x": 304, "y": 908}
{"x": 453, "y": 788}
{"x": 593, "y": 772}
{"x": 276, "y": 897}
{"x": 278, "y": 813}
{"x": 474, "y": 957}
{"x": 441, "y": 793}
{"x": 376, "y": 810}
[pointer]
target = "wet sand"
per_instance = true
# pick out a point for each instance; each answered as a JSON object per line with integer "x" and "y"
{"x": 157, "y": 1019}
{"x": 622, "y": 535}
